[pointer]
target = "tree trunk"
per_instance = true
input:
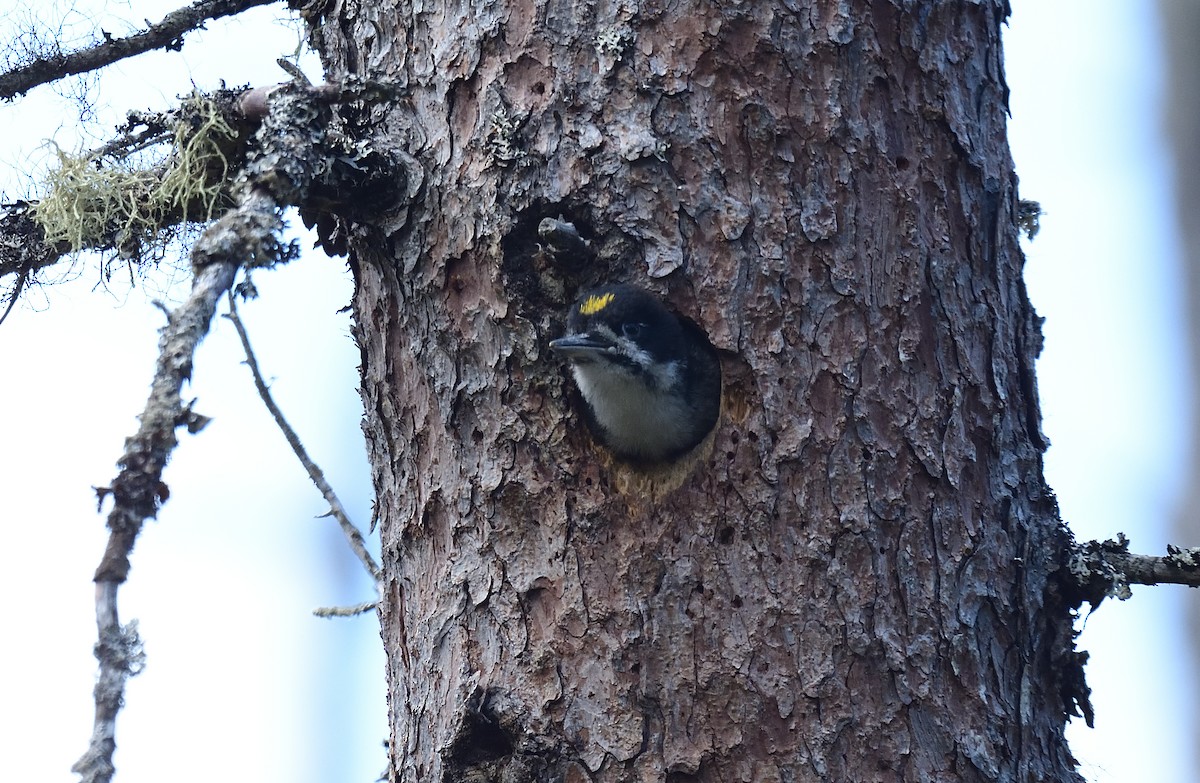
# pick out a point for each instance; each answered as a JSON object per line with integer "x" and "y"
{"x": 855, "y": 581}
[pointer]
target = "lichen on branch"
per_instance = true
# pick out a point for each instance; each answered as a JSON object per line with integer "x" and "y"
{"x": 133, "y": 202}
{"x": 288, "y": 160}
{"x": 1103, "y": 569}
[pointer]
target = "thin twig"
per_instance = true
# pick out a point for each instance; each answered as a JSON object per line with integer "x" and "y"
{"x": 354, "y": 537}
{"x": 167, "y": 34}
{"x": 346, "y": 611}
{"x": 16, "y": 293}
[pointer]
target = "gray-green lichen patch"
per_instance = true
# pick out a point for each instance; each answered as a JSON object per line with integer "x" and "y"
{"x": 131, "y": 204}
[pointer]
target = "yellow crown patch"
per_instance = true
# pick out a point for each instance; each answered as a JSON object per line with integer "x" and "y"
{"x": 594, "y": 304}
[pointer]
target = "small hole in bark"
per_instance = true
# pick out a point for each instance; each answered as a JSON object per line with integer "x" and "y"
{"x": 730, "y": 455}
{"x": 587, "y": 481}
{"x": 681, "y": 777}
{"x": 753, "y": 436}
{"x": 726, "y": 535}
{"x": 733, "y": 436}
{"x": 901, "y": 162}
{"x": 481, "y": 739}
{"x": 737, "y": 602}
{"x": 539, "y": 89}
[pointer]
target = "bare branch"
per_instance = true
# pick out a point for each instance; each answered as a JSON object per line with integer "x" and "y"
{"x": 1179, "y": 567}
{"x": 353, "y": 535}
{"x": 293, "y": 130}
{"x": 167, "y": 34}
{"x": 1100, "y": 569}
{"x": 346, "y": 611}
{"x": 119, "y": 650}
{"x": 138, "y": 491}
{"x": 290, "y": 160}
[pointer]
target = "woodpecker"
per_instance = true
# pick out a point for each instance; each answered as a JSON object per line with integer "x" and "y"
{"x": 650, "y": 378}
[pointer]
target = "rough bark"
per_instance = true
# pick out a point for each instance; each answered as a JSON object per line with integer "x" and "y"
{"x": 856, "y": 582}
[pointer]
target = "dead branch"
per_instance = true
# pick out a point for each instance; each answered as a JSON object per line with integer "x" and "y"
{"x": 346, "y": 611}
{"x": 1099, "y": 569}
{"x": 24, "y": 249}
{"x": 137, "y": 492}
{"x": 167, "y": 34}
{"x": 353, "y": 181}
{"x": 246, "y": 235}
{"x": 353, "y": 535}
{"x": 119, "y": 650}
{"x": 294, "y": 157}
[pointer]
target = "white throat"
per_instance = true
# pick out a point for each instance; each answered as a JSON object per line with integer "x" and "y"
{"x": 637, "y": 418}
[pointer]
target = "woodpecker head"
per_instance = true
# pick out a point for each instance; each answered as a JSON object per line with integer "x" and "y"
{"x": 650, "y": 378}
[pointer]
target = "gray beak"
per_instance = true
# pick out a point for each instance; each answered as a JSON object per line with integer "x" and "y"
{"x": 581, "y": 347}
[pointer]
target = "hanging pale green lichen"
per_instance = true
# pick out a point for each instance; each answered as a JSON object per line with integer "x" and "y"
{"x": 117, "y": 200}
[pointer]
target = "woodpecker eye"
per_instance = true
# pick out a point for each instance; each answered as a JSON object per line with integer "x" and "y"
{"x": 632, "y": 330}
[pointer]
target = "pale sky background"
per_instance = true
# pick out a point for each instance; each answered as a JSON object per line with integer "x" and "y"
{"x": 242, "y": 683}
{"x": 1088, "y": 139}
